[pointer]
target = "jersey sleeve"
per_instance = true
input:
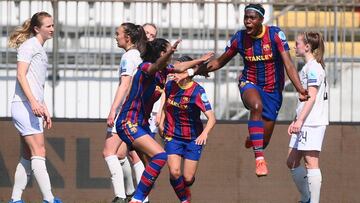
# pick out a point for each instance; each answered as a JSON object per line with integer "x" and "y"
{"x": 232, "y": 45}
{"x": 170, "y": 69}
{"x": 25, "y": 53}
{"x": 280, "y": 40}
{"x": 127, "y": 65}
{"x": 202, "y": 101}
{"x": 314, "y": 77}
{"x": 145, "y": 67}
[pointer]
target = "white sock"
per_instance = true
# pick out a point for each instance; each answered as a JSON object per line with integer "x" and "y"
{"x": 117, "y": 176}
{"x": 314, "y": 179}
{"x": 301, "y": 182}
{"x": 22, "y": 176}
{"x": 139, "y": 169}
{"x": 128, "y": 179}
{"x": 42, "y": 177}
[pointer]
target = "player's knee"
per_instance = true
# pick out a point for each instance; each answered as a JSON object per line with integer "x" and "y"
{"x": 175, "y": 173}
{"x": 256, "y": 108}
{"x": 39, "y": 151}
{"x": 107, "y": 152}
{"x": 121, "y": 155}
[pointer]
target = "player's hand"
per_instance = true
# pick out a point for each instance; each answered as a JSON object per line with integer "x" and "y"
{"x": 201, "y": 140}
{"x": 174, "y": 46}
{"x": 304, "y": 95}
{"x": 206, "y": 56}
{"x": 37, "y": 108}
{"x": 47, "y": 120}
{"x": 289, "y": 128}
{"x": 296, "y": 126}
{"x": 110, "y": 119}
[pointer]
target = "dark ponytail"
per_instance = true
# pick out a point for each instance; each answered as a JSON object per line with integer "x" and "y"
{"x": 137, "y": 36}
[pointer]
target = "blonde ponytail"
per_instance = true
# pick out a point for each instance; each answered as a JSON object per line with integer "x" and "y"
{"x": 20, "y": 34}
{"x": 316, "y": 42}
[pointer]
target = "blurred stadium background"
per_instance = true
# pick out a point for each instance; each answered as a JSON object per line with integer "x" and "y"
{"x": 84, "y": 58}
{"x": 83, "y": 78}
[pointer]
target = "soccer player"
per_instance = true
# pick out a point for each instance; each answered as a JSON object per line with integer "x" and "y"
{"x": 132, "y": 38}
{"x": 28, "y": 109}
{"x": 132, "y": 123}
{"x": 184, "y": 134}
{"x": 265, "y": 53}
{"x": 150, "y": 31}
{"x": 308, "y": 129}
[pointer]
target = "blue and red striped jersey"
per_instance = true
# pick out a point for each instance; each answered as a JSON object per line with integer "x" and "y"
{"x": 183, "y": 108}
{"x": 143, "y": 94}
{"x": 263, "y": 64}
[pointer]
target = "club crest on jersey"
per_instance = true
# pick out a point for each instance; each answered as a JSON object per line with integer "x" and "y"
{"x": 132, "y": 126}
{"x": 266, "y": 47}
{"x": 185, "y": 99}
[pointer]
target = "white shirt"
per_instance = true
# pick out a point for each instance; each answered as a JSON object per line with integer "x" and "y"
{"x": 33, "y": 53}
{"x": 313, "y": 74}
{"x": 129, "y": 62}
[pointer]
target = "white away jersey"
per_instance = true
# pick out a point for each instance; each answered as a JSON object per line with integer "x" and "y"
{"x": 313, "y": 74}
{"x": 34, "y": 54}
{"x": 129, "y": 62}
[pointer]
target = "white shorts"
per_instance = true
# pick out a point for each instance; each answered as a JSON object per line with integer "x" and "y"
{"x": 24, "y": 119}
{"x": 310, "y": 138}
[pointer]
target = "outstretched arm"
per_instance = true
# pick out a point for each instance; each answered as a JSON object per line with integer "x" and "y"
{"x": 181, "y": 67}
{"x": 162, "y": 61}
{"x": 218, "y": 62}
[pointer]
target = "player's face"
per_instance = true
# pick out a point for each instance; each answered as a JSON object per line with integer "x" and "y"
{"x": 300, "y": 46}
{"x": 253, "y": 22}
{"x": 150, "y": 32}
{"x": 121, "y": 37}
{"x": 46, "y": 30}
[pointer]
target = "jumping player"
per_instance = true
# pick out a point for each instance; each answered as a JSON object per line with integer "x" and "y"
{"x": 308, "y": 129}
{"x": 265, "y": 53}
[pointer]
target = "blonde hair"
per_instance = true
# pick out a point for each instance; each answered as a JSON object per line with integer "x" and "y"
{"x": 316, "y": 42}
{"x": 24, "y": 32}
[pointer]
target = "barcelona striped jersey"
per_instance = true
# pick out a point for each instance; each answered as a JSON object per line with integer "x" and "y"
{"x": 183, "y": 108}
{"x": 144, "y": 92}
{"x": 263, "y": 64}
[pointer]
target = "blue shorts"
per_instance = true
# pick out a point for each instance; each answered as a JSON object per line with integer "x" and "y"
{"x": 185, "y": 148}
{"x": 129, "y": 132}
{"x": 271, "y": 101}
